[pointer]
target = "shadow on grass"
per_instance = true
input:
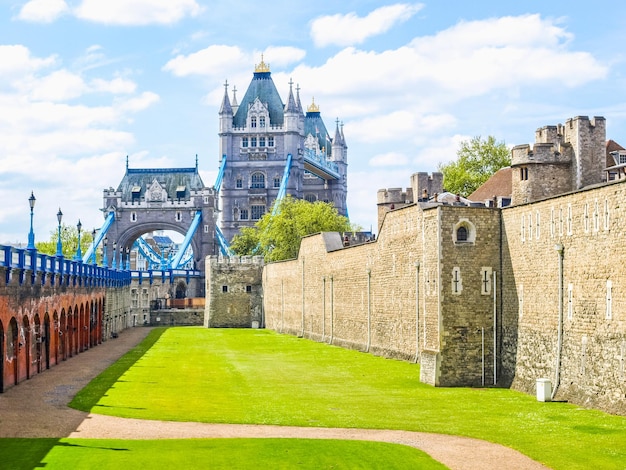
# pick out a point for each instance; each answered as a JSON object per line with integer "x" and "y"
{"x": 89, "y": 396}
{"x": 29, "y": 453}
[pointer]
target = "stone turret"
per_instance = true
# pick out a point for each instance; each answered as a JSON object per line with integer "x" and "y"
{"x": 564, "y": 158}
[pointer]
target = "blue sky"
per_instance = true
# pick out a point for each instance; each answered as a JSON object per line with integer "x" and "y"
{"x": 84, "y": 83}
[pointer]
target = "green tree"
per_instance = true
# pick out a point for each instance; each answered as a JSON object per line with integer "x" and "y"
{"x": 477, "y": 160}
{"x": 69, "y": 239}
{"x": 277, "y": 237}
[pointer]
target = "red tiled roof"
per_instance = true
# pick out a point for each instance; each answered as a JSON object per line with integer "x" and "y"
{"x": 498, "y": 185}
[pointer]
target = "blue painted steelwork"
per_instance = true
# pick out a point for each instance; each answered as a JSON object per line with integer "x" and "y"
{"x": 220, "y": 174}
{"x": 99, "y": 237}
{"x": 283, "y": 184}
{"x": 185, "y": 244}
{"x": 223, "y": 244}
{"x": 155, "y": 260}
{"x": 34, "y": 268}
{"x": 319, "y": 165}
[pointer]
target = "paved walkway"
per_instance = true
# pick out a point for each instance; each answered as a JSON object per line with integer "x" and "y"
{"x": 38, "y": 408}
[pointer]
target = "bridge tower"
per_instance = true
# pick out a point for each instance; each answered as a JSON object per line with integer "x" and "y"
{"x": 258, "y": 135}
{"x": 151, "y": 199}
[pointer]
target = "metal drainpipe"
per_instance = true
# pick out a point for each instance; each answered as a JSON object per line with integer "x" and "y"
{"x": 332, "y": 309}
{"x": 557, "y": 377}
{"x": 323, "y": 308}
{"x": 369, "y": 310}
{"x": 302, "y": 334}
{"x": 495, "y": 332}
{"x": 417, "y": 311}
{"x": 282, "y": 305}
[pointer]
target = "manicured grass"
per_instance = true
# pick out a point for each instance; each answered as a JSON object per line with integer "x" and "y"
{"x": 258, "y": 376}
{"x": 229, "y": 454}
{"x": 89, "y": 396}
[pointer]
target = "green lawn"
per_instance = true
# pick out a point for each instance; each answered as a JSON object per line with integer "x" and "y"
{"x": 214, "y": 454}
{"x": 258, "y": 376}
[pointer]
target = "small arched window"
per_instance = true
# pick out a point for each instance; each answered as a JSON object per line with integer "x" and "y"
{"x": 310, "y": 197}
{"x": 461, "y": 234}
{"x": 464, "y": 232}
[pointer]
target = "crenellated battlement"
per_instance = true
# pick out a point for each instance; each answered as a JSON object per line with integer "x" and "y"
{"x": 547, "y": 152}
{"x": 215, "y": 260}
{"x": 563, "y": 158}
{"x": 394, "y": 196}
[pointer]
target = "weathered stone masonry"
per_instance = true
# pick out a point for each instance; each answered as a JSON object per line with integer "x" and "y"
{"x": 588, "y": 224}
{"x": 483, "y": 296}
{"x": 364, "y": 297}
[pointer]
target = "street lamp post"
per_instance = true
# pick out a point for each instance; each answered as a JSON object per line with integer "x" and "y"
{"x": 31, "y": 234}
{"x": 93, "y": 244}
{"x": 79, "y": 254}
{"x": 59, "y": 243}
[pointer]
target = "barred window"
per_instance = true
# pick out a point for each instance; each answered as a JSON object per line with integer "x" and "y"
{"x": 270, "y": 141}
{"x": 257, "y": 212}
{"x": 257, "y": 180}
{"x": 243, "y": 214}
{"x": 244, "y": 141}
{"x": 239, "y": 183}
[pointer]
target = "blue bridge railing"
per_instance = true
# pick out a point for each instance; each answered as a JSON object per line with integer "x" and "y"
{"x": 30, "y": 267}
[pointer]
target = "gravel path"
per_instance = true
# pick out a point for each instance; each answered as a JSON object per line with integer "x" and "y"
{"x": 38, "y": 408}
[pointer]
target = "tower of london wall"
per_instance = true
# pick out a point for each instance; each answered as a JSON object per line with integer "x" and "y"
{"x": 587, "y": 225}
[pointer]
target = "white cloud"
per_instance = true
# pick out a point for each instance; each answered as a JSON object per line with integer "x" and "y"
{"x": 137, "y": 12}
{"x": 115, "y": 86}
{"x": 219, "y": 61}
{"x": 389, "y": 159}
{"x": 211, "y": 61}
{"x": 350, "y": 29}
{"x": 283, "y": 56}
{"x": 60, "y": 85}
{"x": 16, "y": 61}
{"x": 43, "y": 11}
{"x": 138, "y": 103}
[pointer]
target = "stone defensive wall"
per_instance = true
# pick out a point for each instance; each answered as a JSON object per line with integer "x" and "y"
{"x": 564, "y": 307}
{"x": 361, "y": 297}
{"x": 409, "y": 295}
{"x": 234, "y": 292}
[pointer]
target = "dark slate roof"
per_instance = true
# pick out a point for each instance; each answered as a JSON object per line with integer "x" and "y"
{"x": 500, "y": 185}
{"x": 226, "y": 108}
{"x": 314, "y": 125}
{"x": 172, "y": 179}
{"x": 261, "y": 87}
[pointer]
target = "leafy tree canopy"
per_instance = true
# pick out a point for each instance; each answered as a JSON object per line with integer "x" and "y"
{"x": 277, "y": 237}
{"x": 69, "y": 239}
{"x": 477, "y": 160}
